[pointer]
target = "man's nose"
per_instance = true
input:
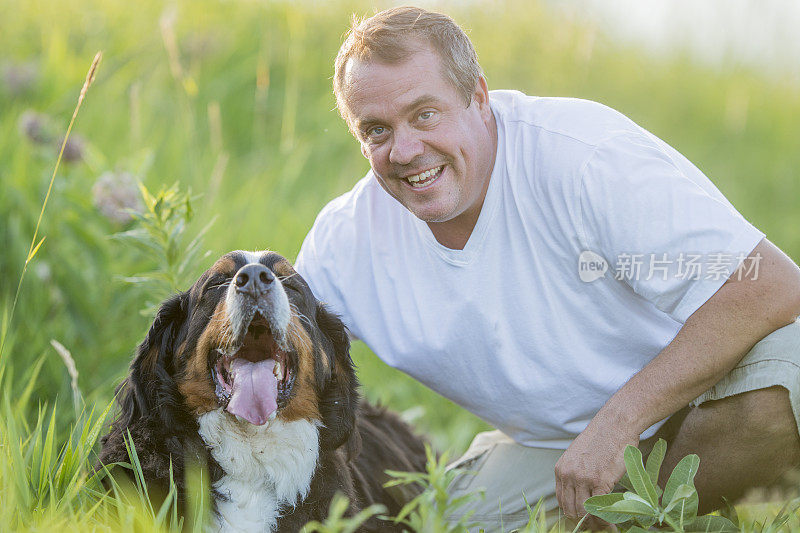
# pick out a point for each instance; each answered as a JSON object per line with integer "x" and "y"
{"x": 406, "y": 145}
{"x": 253, "y": 279}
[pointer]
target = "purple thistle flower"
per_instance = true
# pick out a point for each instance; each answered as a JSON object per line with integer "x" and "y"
{"x": 34, "y": 126}
{"x": 74, "y": 149}
{"x": 114, "y": 193}
{"x": 19, "y": 78}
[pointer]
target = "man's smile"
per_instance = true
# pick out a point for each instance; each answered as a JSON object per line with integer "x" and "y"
{"x": 426, "y": 178}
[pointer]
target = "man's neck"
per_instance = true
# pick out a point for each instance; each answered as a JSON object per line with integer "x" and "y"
{"x": 455, "y": 233}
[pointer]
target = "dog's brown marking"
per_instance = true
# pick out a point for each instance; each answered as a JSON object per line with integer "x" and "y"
{"x": 224, "y": 265}
{"x": 304, "y": 398}
{"x": 150, "y": 359}
{"x": 283, "y": 268}
{"x": 198, "y": 396}
{"x": 195, "y": 384}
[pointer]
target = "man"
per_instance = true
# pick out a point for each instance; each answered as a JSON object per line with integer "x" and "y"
{"x": 490, "y": 253}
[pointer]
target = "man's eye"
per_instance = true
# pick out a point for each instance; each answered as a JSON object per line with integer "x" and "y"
{"x": 425, "y": 115}
{"x": 376, "y": 131}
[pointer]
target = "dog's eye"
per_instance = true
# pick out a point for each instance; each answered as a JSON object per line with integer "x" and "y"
{"x": 291, "y": 286}
{"x": 215, "y": 282}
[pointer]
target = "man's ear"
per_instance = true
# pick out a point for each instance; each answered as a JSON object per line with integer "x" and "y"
{"x": 150, "y": 382}
{"x": 481, "y": 96}
{"x": 340, "y": 398}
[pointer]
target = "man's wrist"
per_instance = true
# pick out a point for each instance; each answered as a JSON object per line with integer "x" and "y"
{"x": 621, "y": 418}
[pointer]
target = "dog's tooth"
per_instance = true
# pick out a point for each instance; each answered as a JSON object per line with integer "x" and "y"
{"x": 278, "y": 371}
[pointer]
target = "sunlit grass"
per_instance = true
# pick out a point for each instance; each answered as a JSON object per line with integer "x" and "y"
{"x": 233, "y": 100}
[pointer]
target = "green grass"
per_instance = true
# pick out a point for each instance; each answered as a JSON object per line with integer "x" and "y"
{"x": 233, "y": 100}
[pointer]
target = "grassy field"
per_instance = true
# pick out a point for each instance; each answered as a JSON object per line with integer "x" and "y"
{"x": 232, "y": 100}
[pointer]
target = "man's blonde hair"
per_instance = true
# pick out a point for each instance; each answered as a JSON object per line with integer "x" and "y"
{"x": 393, "y": 35}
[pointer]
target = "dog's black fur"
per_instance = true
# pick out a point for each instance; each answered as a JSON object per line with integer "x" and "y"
{"x": 358, "y": 442}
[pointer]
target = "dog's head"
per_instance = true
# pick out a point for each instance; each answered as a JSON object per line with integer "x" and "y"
{"x": 249, "y": 338}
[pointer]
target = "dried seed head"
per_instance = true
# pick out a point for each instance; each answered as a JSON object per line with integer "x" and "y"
{"x": 90, "y": 76}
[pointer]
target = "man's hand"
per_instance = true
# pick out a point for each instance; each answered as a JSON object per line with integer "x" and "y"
{"x": 592, "y": 465}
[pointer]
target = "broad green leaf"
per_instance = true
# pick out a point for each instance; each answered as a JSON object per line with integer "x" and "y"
{"x": 655, "y": 459}
{"x": 686, "y": 509}
{"x": 625, "y": 510}
{"x": 625, "y": 481}
{"x": 638, "y": 475}
{"x": 683, "y": 474}
{"x": 711, "y": 524}
{"x": 729, "y": 512}
{"x": 611, "y": 517}
{"x": 596, "y": 506}
{"x": 631, "y": 507}
{"x": 604, "y": 500}
{"x": 684, "y": 492}
{"x": 635, "y": 497}
{"x": 646, "y": 521}
{"x": 600, "y": 506}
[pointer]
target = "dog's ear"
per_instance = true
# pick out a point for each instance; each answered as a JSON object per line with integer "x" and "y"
{"x": 150, "y": 382}
{"x": 149, "y": 401}
{"x": 340, "y": 395}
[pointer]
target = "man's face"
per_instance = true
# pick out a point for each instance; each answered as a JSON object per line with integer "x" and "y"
{"x": 427, "y": 148}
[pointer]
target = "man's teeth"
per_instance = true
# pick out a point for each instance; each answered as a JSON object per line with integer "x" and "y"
{"x": 278, "y": 371}
{"x": 424, "y": 175}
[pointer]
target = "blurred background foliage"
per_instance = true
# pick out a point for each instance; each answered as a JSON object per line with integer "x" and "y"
{"x": 232, "y": 99}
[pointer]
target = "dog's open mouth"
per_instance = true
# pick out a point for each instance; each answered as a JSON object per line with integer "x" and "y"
{"x": 254, "y": 380}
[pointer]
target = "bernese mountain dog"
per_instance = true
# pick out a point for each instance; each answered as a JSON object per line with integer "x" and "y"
{"x": 249, "y": 373}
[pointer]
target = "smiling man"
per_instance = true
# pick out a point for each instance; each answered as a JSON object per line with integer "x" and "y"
{"x": 427, "y": 149}
{"x": 557, "y": 270}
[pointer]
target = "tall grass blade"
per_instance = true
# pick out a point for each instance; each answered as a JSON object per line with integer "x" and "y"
{"x": 136, "y": 466}
{"x": 35, "y": 247}
{"x": 34, "y": 250}
{"x": 45, "y": 464}
{"x": 21, "y": 404}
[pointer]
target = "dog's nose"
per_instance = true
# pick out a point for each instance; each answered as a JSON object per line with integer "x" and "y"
{"x": 253, "y": 279}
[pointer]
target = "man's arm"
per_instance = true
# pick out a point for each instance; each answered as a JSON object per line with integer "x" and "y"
{"x": 711, "y": 342}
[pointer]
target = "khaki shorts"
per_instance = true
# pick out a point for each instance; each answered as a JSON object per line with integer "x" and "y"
{"x": 505, "y": 470}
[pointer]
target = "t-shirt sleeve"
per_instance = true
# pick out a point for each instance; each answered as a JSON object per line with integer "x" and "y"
{"x": 313, "y": 263}
{"x": 674, "y": 239}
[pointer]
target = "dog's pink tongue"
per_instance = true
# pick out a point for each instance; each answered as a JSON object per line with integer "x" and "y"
{"x": 255, "y": 390}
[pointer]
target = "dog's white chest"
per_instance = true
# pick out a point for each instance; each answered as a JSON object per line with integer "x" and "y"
{"x": 266, "y": 468}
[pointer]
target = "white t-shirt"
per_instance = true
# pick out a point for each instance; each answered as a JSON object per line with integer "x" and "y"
{"x": 507, "y": 327}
